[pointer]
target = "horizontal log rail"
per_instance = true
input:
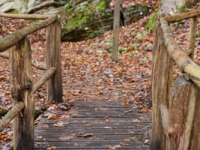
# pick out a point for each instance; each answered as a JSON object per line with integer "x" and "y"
{"x": 11, "y": 39}
{"x": 183, "y": 61}
{"x": 10, "y": 115}
{"x": 25, "y": 16}
{"x": 43, "y": 79}
{"x": 182, "y": 16}
{"x": 35, "y": 63}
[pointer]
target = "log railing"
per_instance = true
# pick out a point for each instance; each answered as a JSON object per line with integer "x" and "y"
{"x": 176, "y": 113}
{"x": 21, "y": 82}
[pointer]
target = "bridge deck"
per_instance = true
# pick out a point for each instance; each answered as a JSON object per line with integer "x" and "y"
{"x": 95, "y": 125}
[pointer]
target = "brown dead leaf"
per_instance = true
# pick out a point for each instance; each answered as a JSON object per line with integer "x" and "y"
{"x": 114, "y": 147}
{"x": 65, "y": 138}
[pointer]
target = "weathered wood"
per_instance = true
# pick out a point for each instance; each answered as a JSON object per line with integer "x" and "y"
{"x": 35, "y": 63}
{"x": 10, "y": 115}
{"x": 183, "y": 61}
{"x": 192, "y": 37}
{"x": 11, "y": 39}
{"x": 21, "y": 90}
{"x": 164, "y": 117}
{"x": 25, "y": 16}
{"x": 195, "y": 140}
{"x": 116, "y": 24}
{"x": 161, "y": 81}
{"x": 182, "y": 16}
{"x": 54, "y": 84}
{"x": 181, "y": 114}
{"x": 43, "y": 79}
{"x": 91, "y": 133}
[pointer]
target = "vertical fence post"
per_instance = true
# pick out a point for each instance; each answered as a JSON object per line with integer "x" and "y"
{"x": 54, "y": 84}
{"x": 21, "y": 90}
{"x": 181, "y": 114}
{"x": 116, "y": 24}
{"x": 161, "y": 88}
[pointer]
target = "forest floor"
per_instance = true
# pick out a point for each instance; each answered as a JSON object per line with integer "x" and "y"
{"x": 88, "y": 71}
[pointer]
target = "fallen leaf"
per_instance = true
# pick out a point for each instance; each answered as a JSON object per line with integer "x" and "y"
{"x": 65, "y": 138}
{"x": 114, "y": 147}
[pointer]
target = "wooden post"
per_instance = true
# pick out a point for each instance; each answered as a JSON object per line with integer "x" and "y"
{"x": 192, "y": 37}
{"x": 161, "y": 88}
{"x": 21, "y": 90}
{"x": 54, "y": 84}
{"x": 181, "y": 114}
{"x": 116, "y": 25}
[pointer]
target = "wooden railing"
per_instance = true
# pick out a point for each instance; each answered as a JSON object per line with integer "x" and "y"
{"x": 176, "y": 110}
{"x": 21, "y": 82}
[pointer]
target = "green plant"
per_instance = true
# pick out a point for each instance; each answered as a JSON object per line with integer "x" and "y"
{"x": 198, "y": 34}
{"x": 3, "y": 112}
{"x": 80, "y": 58}
{"x": 183, "y": 8}
{"x": 122, "y": 49}
{"x": 149, "y": 46}
{"x": 135, "y": 46}
{"x": 139, "y": 36}
{"x": 132, "y": 33}
{"x": 130, "y": 54}
{"x": 151, "y": 24}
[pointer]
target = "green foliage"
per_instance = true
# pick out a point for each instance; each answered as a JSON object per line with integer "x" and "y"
{"x": 198, "y": 34}
{"x": 3, "y": 112}
{"x": 135, "y": 46}
{"x": 83, "y": 12}
{"x": 139, "y": 36}
{"x": 122, "y": 49}
{"x": 183, "y": 8}
{"x": 13, "y": 11}
{"x": 151, "y": 24}
{"x": 101, "y": 6}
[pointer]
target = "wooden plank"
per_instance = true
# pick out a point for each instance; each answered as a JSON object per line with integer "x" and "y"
{"x": 89, "y": 145}
{"x": 54, "y": 84}
{"x": 21, "y": 90}
{"x": 93, "y": 120}
{"x": 104, "y": 131}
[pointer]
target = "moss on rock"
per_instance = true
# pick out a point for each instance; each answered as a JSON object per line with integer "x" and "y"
{"x": 151, "y": 24}
{"x": 76, "y": 16}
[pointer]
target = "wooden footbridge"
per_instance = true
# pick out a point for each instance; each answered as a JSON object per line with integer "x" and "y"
{"x": 96, "y": 125}
{"x": 105, "y": 125}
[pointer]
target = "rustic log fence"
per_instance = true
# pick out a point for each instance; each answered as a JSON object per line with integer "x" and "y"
{"x": 21, "y": 82}
{"x": 176, "y": 113}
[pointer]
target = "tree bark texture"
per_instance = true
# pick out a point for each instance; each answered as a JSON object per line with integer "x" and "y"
{"x": 21, "y": 90}
{"x": 116, "y": 24}
{"x": 195, "y": 139}
{"x": 192, "y": 37}
{"x": 161, "y": 88}
{"x": 54, "y": 84}
{"x": 181, "y": 114}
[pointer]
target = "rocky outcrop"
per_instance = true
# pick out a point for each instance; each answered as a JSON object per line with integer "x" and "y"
{"x": 99, "y": 23}
{"x": 81, "y": 19}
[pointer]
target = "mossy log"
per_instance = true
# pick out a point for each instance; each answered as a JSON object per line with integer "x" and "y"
{"x": 98, "y": 23}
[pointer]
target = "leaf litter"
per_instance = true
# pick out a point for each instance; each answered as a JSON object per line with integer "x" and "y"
{"x": 88, "y": 71}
